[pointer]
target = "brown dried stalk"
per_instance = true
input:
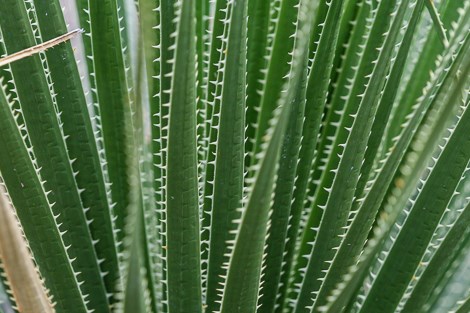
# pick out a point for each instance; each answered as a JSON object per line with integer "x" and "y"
{"x": 26, "y": 285}
{"x": 38, "y": 48}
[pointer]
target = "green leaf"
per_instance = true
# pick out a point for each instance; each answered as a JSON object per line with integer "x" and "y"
{"x": 219, "y": 30}
{"x": 442, "y": 82}
{"x": 339, "y": 123}
{"x": 182, "y": 207}
{"x": 257, "y": 52}
{"x": 341, "y": 192}
{"x": 38, "y": 107}
{"x": 346, "y": 288}
{"x": 209, "y": 128}
{"x": 297, "y": 156}
{"x": 440, "y": 261}
{"x": 113, "y": 98}
{"x": 353, "y": 242}
{"x": 421, "y": 72}
{"x": 308, "y": 174}
{"x": 283, "y": 192}
{"x": 416, "y": 232}
{"x": 437, "y": 21}
{"x": 244, "y": 269}
{"x": 144, "y": 266}
{"x": 464, "y": 307}
{"x": 81, "y": 143}
{"x": 449, "y": 291}
{"x": 138, "y": 294}
{"x": 229, "y": 166}
{"x": 134, "y": 300}
{"x": 159, "y": 96}
{"x": 278, "y": 68}
{"x": 338, "y": 98}
{"x": 348, "y": 19}
{"x": 387, "y": 100}
{"x": 35, "y": 214}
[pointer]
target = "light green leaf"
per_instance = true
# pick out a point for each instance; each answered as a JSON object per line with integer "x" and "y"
{"x": 182, "y": 207}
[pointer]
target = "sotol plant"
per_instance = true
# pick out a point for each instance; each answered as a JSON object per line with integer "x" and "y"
{"x": 235, "y": 156}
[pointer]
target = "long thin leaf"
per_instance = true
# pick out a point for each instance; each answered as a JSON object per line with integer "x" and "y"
{"x": 277, "y": 70}
{"x": 227, "y": 196}
{"x": 341, "y": 192}
{"x": 35, "y": 214}
{"x": 416, "y": 231}
{"x": 356, "y": 236}
{"x": 439, "y": 262}
{"x": 182, "y": 208}
{"x": 38, "y": 106}
{"x": 297, "y": 156}
{"x": 437, "y": 21}
{"x": 81, "y": 143}
{"x": 244, "y": 269}
{"x": 113, "y": 96}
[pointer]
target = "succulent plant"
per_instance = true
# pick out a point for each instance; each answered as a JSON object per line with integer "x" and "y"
{"x": 235, "y": 156}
